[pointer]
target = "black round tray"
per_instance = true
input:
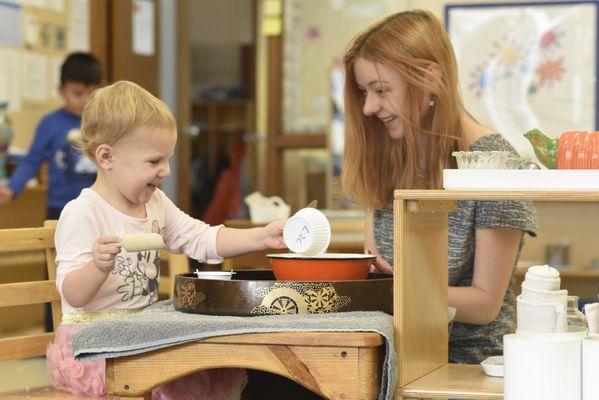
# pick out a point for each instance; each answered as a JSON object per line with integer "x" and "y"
{"x": 256, "y": 292}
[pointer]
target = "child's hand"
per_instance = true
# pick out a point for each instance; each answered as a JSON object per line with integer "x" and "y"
{"x": 104, "y": 252}
{"x": 6, "y": 194}
{"x": 273, "y": 235}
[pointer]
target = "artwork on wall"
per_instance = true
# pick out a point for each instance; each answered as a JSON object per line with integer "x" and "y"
{"x": 527, "y": 65}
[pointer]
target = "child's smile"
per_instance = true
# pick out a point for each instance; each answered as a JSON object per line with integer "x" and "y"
{"x": 138, "y": 164}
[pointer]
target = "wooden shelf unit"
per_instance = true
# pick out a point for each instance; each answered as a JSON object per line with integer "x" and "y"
{"x": 420, "y": 291}
{"x": 456, "y": 381}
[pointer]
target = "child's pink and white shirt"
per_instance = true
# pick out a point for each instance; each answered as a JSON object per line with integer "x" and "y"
{"x": 134, "y": 281}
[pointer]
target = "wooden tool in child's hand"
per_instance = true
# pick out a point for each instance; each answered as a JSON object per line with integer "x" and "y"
{"x": 142, "y": 242}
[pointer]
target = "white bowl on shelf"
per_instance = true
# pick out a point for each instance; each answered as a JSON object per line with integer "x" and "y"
{"x": 493, "y": 366}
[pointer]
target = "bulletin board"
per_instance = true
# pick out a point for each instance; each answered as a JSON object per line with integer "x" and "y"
{"x": 35, "y": 37}
{"x": 528, "y": 65}
{"x": 316, "y": 35}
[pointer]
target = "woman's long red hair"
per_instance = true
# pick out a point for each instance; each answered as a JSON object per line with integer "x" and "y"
{"x": 374, "y": 164}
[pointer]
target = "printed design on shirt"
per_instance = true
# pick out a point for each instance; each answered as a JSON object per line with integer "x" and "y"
{"x": 156, "y": 227}
{"x": 140, "y": 272}
{"x": 69, "y": 158}
{"x": 299, "y": 298}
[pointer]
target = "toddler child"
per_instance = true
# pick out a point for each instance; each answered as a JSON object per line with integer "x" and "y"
{"x": 131, "y": 135}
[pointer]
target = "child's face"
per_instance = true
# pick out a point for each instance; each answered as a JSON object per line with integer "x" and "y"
{"x": 141, "y": 163}
{"x": 75, "y": 96}
{"x": 383, "y": 92}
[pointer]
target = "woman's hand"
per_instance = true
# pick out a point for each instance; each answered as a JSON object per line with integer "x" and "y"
{"x": 273, "y": 235}
{"x": 380, "y": 265}
{"x": 104, "y": 252}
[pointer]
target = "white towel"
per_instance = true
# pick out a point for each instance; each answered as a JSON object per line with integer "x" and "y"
{"x": 534, "y": 295}
{"x": 543, "y": 277}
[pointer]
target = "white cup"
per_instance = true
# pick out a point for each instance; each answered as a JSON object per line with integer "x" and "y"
{"x": 307, "y": 232}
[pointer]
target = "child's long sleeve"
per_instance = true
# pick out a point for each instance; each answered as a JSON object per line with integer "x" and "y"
{"x": 29, "y": 166}
{"x": 184, "y": 234}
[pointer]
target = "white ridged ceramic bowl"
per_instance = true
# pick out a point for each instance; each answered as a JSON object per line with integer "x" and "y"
{"x": 307, "y": 232}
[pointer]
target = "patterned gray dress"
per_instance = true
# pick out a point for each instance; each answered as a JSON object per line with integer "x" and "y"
{"x": 472, "y": 343}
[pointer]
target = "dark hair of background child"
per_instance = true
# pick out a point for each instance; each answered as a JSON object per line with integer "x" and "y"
{"x": 81, "y": 68}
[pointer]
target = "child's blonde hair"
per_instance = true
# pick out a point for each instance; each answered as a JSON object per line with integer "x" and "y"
{"x": 118, "y": 109}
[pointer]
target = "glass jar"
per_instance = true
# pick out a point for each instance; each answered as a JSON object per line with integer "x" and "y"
{"x": 575, "y": 317}
{"x": 5, "y": 136}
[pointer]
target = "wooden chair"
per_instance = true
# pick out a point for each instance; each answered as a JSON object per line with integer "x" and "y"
{"x": 25, "y": 241}
{"x": 336, "y": 365}
{"x": 28, "y": 247}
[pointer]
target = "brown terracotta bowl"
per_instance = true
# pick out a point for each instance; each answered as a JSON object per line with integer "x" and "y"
{"x": 322, "y": 268}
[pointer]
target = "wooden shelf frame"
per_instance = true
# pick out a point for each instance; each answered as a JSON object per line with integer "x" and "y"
{"x": 420, "y": 291}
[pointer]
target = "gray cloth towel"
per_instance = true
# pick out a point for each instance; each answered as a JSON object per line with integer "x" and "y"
{"x": 159, "y": 325}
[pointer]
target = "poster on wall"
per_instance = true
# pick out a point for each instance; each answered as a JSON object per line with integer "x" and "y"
{"x": 527, "y": 65}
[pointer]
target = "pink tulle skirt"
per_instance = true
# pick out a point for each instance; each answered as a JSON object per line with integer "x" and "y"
{"x": 87, "y": 378}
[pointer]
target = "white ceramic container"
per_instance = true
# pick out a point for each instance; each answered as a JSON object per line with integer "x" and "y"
{"x": 307, "y": 232}
{"x": 543, "y": 366}
{"x": 590, "y": 368}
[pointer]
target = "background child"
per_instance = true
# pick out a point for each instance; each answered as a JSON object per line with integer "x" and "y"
{"x": 69, "y": 172}
{"x": 130, "y": 135}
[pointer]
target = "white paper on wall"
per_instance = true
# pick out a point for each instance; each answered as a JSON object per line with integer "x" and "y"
{"x": 31, "y": 28}
{"x": 9, "y": 83}
{"x": 142, "y": 27}
{"x": 10, "y": 25}
{"x": 34, "y": 78}
{"x": 78, "y": 29}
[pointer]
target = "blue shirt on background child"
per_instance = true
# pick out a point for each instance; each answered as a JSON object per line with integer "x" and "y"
{"x": 69, "y": 171}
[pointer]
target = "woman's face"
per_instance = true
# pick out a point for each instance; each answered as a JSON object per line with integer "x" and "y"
{"x": 383, "y": 93}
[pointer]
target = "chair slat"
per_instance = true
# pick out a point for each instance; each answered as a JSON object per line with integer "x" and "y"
{"x": 22, "y": 293}
{"x": 26, "y": 239}
{"x": 24, "y": 346}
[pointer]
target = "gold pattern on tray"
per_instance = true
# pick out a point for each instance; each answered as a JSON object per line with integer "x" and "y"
{"x": 188, "y": 296}
{"x": 299, "y": 298}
